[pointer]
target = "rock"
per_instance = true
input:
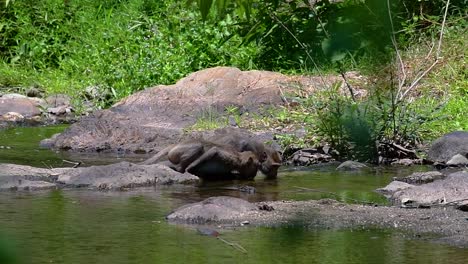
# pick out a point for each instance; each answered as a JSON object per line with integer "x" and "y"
{"x": 421, "y": 177}
{"x": 25, "y": 185}
{"x": 19, "y": 177}
{"x": 12, "y": 117}
{"x": 310, "y": 156}
{"x": 58, "y": 100}
{"x": 407, "y": 162}
{"x": 458, "y": 160}
{"x": 351, "y": 166}
{"x": 212, "y": 210}
{"x": 33, "y": 92}
{"x": 117, "y": 176}
{"x": 449, "y": 145}
{"x": 59, "y": 110}
{"x": 13, "y": 96}
{"x": 393, "y": 187}
{"x": 22, "y": 106}
{"x": 97, "y": 93}
{"x": 156, "y": 117}
{"x": 122, "y": 175}
{"x": 450, "y": 190}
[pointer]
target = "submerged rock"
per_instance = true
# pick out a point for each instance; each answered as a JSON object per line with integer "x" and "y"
{"x": 212, "y": 210}
{"x": 351, "y": 166}
{"x": 421, "y": 177}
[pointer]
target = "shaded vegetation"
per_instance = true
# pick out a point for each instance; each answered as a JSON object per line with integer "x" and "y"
{"x": 417, "y": 87}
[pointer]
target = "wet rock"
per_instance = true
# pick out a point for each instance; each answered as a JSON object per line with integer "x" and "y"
{"x": 421, "y": 177}
{"x": 449, "y": 145}
{"x": 247, "y": 189}
{"x": 351, "y": 166}
{"x": 451, "y": 190}
{"x": 117, "y": 176}
{"x": 310, "y": 156}
{"x": 212, "y": 210}
{"x": 393, "y": 187}
{"x": 19, "y": 177}
{"x": 25, "y": 185}
{"x": 122, "y": 175}
{"x": 458, "y": 160}
{"x": 156, "y": 117}
{"x": 408, "y": 162}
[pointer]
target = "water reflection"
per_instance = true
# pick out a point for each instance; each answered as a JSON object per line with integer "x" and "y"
{"x": 81, "y": 226}
{"x": 96, "y": 227}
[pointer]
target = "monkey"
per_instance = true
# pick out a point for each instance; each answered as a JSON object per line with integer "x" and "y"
{"x": 230, "y": 165}
{"x": 270, "y": 159}
{"x": 233, "y": 148}
{"x": 208, "y": 160}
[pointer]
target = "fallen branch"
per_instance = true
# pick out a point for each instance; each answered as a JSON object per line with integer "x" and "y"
{"x": 234, "y": 245}
{"x": 76, "y": 164}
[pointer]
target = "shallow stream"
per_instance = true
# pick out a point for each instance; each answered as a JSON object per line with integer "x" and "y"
{"x": 83, "y": 226}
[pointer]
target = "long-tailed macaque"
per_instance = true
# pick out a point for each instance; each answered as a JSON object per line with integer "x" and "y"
{"x": 230, "y": 155}
{"x": 229, "y": 165}
{"x": 208, "y": 160}
{"x": 270, "y": 160}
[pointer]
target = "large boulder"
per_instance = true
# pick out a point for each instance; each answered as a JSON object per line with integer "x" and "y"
{"x": 156, "y": 117}
{"x": 116, "y": 176}
{"x": 449, "y": 145}
{"x": 212, "y": 210}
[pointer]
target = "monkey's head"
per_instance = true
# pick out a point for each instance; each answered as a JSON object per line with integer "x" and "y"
{"x": 271, "y": 161}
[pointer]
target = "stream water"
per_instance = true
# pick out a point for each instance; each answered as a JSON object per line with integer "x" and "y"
{"x": 82, "y": 226}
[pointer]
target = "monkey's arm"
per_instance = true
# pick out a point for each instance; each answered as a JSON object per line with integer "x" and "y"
{"x": 222, "y": 161}
{"x": 158, "y": 157}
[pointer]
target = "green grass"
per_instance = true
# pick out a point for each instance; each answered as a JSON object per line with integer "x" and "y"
{"x": 123, "y": 46}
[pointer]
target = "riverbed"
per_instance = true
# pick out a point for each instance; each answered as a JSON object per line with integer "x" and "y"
{"x": 84, "y": 226}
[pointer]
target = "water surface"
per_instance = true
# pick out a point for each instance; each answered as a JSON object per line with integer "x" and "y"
{"x": 83, "y": 226}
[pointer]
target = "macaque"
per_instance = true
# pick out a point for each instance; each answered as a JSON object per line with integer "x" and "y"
{"x": 231, "y": 155}
{"x": 231, "y": 165}
{"x": 270, "y": 159}
{"x": 208, "y": 160}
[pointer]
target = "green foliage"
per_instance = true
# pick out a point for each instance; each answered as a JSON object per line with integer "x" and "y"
{"x": 121, "y": 45}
